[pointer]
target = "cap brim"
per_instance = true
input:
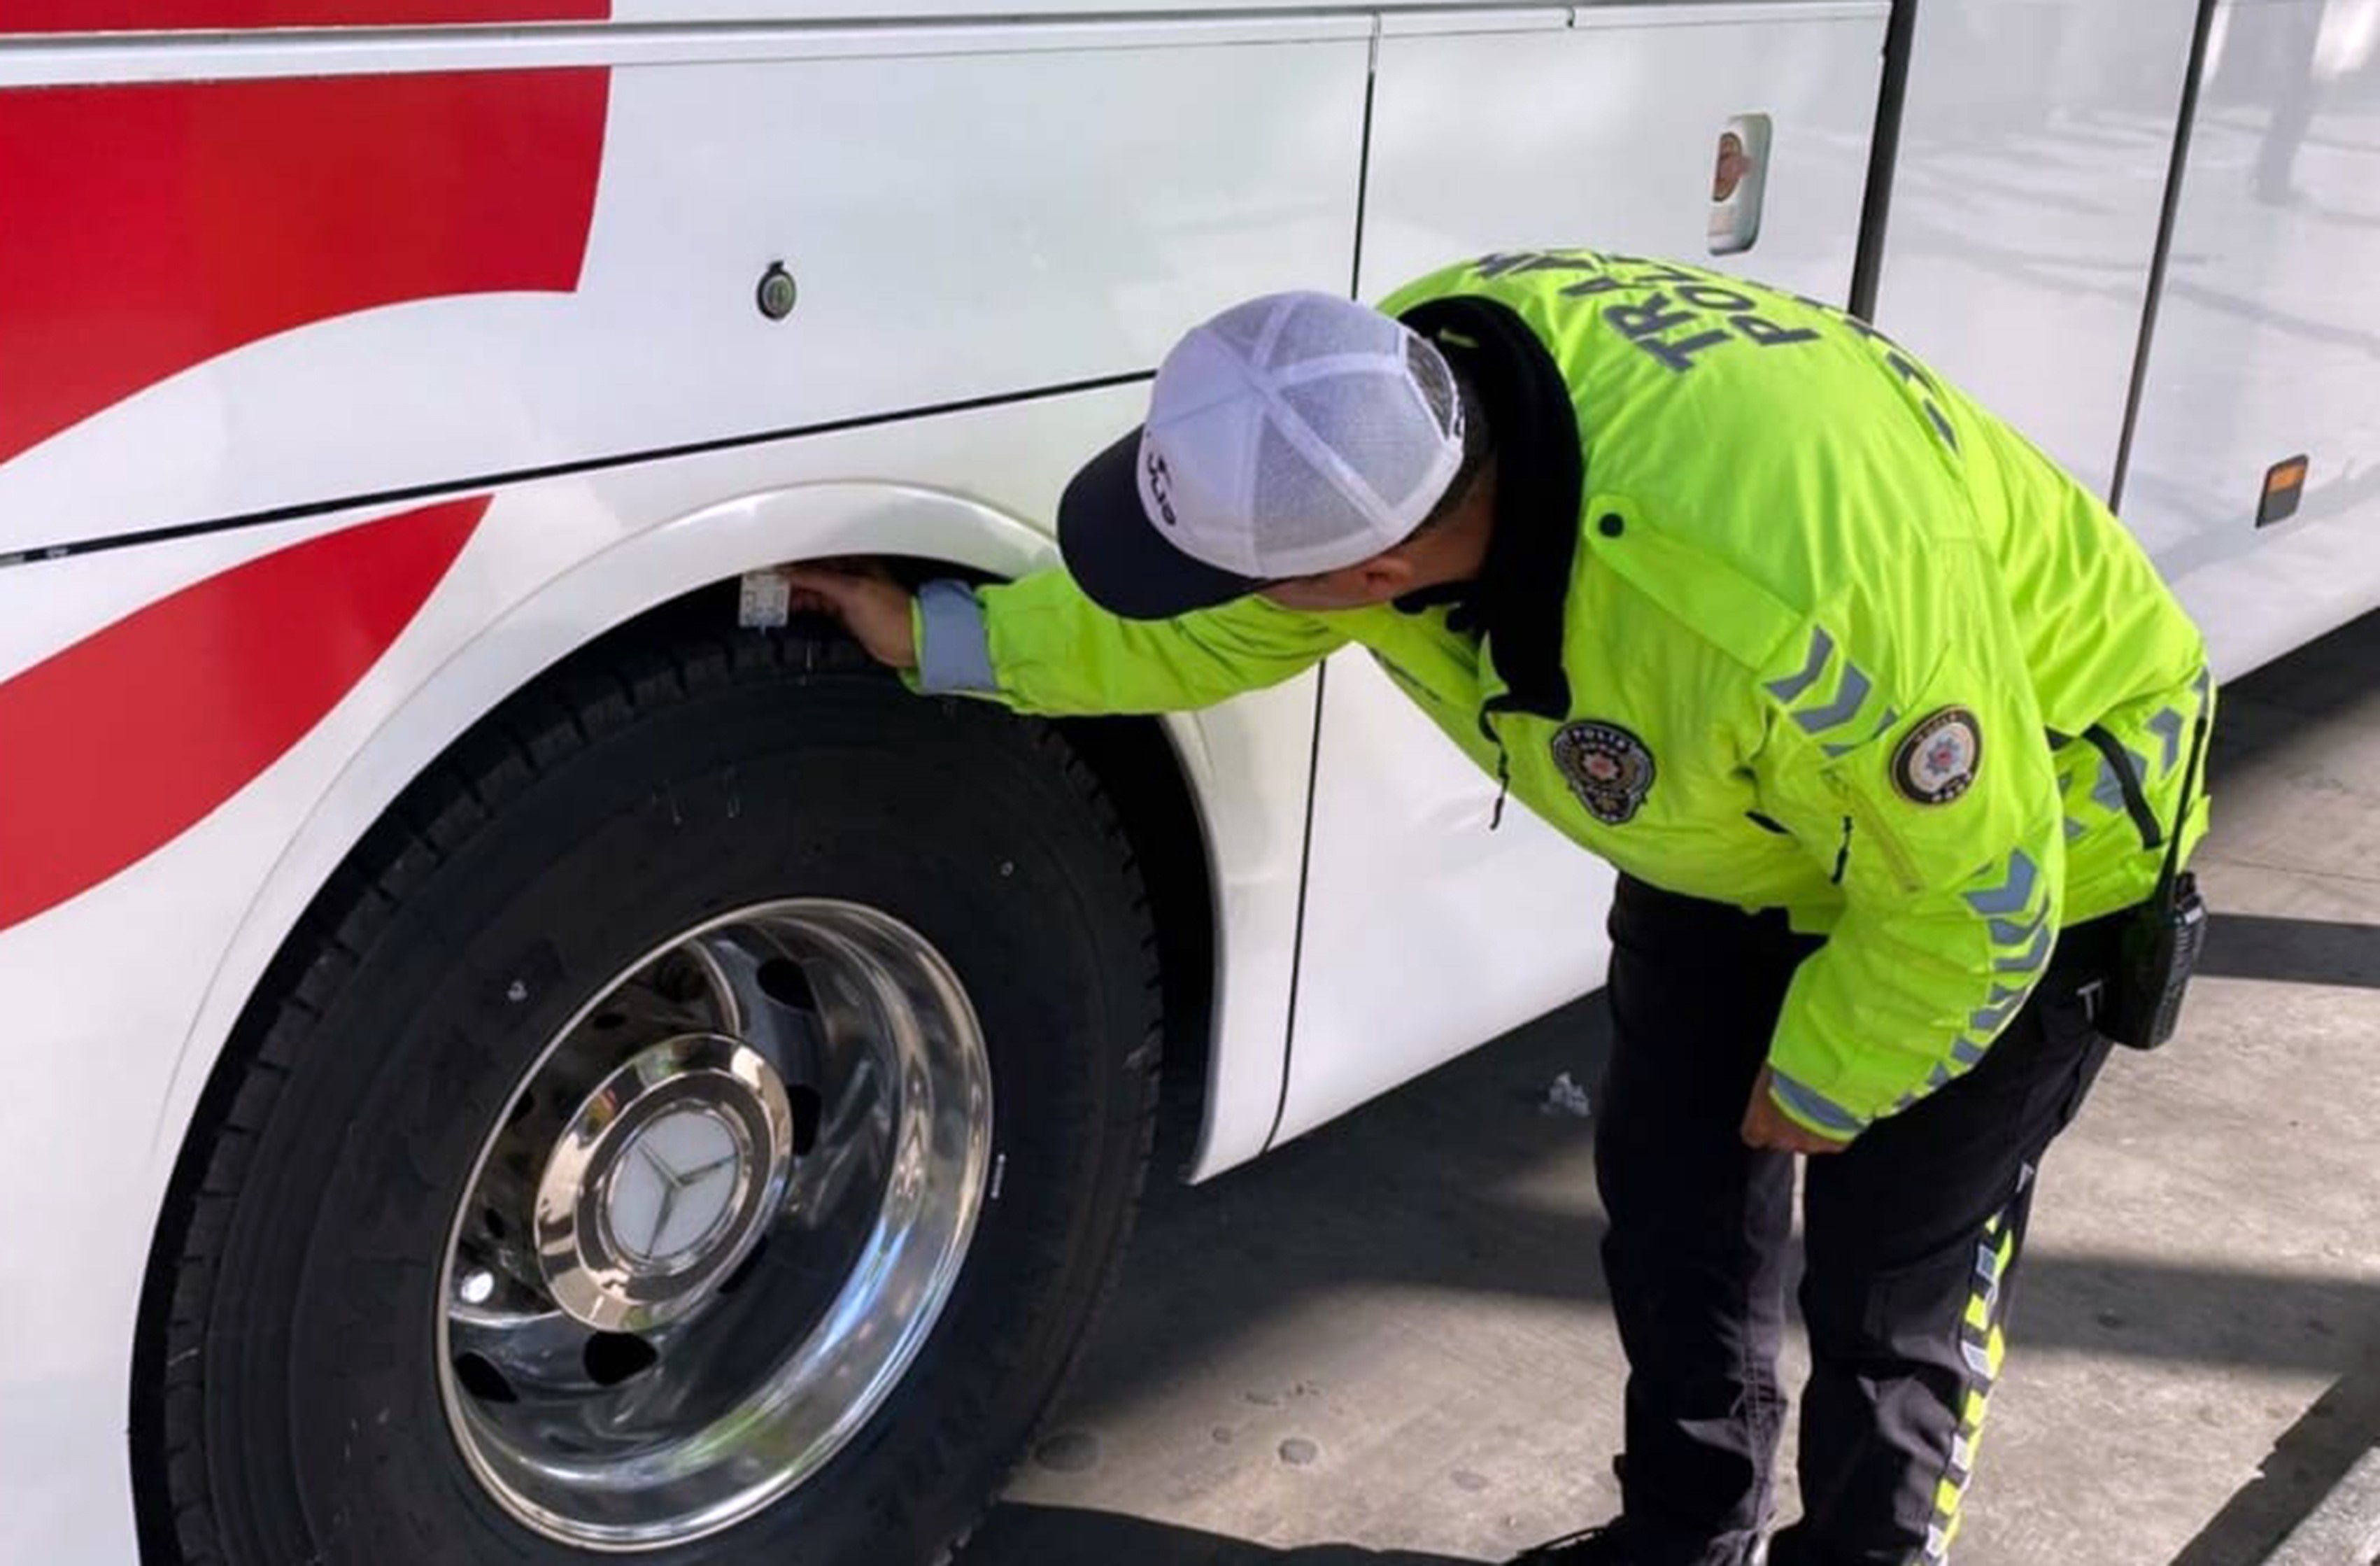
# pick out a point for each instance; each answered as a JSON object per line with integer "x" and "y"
{"x": 1120, "y": 558}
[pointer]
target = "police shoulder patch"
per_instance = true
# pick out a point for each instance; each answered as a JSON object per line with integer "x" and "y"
{"x": 1606, "y": 767}
{"x": 1936, "y": 762}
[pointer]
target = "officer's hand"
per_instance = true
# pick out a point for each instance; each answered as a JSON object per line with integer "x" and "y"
{"x": 863, "y": 595}
{"x": 1765, "y": 1125}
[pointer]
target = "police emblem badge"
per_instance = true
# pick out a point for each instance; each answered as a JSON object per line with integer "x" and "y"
{"x": 1937, "y": 763}
{"x": 1606, "y": 767}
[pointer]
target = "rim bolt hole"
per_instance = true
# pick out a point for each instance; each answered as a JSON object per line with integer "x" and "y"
{"x": 495, "y": 1222}
{"x": 612, "y": 1357}
{"x": 483, "y": 1379}
{"x": 807, "y": 1109}
{"x": 781, "y": 980}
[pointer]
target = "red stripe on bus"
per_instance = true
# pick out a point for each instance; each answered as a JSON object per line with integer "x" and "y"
{"x": 118, "y": 745}
{"x": 152, "y": 227}
{"x": 232, "y": 16}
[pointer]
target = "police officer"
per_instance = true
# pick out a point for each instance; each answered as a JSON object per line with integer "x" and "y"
{"x": 1882, "y": 718}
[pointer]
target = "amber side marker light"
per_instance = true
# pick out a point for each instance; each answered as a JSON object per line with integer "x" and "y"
{"x": 2284, "y": 487}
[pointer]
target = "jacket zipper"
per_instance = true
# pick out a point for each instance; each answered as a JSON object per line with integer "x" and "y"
{"x": 1903, "y": 868}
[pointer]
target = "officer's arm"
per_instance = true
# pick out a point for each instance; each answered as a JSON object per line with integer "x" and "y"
{"x": 1943, "y": 827}
{"x": 1037, "y": 645}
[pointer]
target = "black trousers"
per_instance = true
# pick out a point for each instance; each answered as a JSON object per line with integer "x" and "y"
{"x": 1911, "y": 1238}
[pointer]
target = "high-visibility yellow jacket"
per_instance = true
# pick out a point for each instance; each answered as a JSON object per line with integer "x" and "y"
{"x": 1774, "y": 616}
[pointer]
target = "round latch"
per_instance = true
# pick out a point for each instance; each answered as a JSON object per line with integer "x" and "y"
{"x": 777, "y": 292}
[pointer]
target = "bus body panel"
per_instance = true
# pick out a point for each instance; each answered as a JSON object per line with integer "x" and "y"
{"x": 1424, "y": 931}
{"x": 294, "y": 291}
{"x": 2035, "y": 143}
{"x": 44, "y": 18}
{"x": 2267, "y": 338}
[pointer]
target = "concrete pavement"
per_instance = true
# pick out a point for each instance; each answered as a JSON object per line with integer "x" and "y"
{"x": 1388, "y": 1343}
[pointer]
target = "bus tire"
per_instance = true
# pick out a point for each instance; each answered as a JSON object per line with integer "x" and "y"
{"x": 297, "y": 1390}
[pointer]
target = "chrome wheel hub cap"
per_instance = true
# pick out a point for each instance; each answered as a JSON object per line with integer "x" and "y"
{"x": 662, "y": 1181}
{"x": 723, "y": 1212}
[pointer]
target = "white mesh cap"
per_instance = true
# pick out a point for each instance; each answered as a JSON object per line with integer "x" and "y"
{"x": 1293, "y": 434}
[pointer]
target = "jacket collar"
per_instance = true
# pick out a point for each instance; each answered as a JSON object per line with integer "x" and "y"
{"x": 1518, "y": 600}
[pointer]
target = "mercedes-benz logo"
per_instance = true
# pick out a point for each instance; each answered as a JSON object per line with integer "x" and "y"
{"x": 673, "y": 1185}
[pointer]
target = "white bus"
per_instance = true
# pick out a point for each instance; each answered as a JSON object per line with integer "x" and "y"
{"x": 502, "y": 1060}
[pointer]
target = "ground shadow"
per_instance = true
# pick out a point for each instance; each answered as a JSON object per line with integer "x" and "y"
{"x": 2310, "y": 1456}
{"x": 1054, "y": 1536}
{"x": 2291, "y": 951}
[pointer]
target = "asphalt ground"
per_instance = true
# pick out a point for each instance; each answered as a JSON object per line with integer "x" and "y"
{"x": 1391, "y": 1343}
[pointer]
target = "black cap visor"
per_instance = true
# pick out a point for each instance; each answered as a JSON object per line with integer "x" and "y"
{"x": 1120, "y": 556}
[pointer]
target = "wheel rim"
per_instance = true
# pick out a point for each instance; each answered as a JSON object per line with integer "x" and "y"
{"x": 722, "y": 1213}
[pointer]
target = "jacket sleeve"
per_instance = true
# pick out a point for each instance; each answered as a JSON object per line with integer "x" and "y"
{"x": 1938, "y": 814}
{"x": 1040, "y": 646}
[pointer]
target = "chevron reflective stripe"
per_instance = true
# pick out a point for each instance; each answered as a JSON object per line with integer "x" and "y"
{"x": 1813, "y": 1106}
{"x": 1992, "y": 1258}
{"x": 1981, "y": 1349}
{"x": 2168, "y": 727}
{"x": 2074, "y": 827}
{"x": 2107, "y": 793}
{"x": 2108, "y": 790}
{"x": 1822, "y": 647}
{"x": 2012, "y": 895}
{"x": 1883, "y": 726}
{"x": 2021, "y": 945}
{"x": 2029, "y": 959}
{"x": 2024, "y": 948}
{"x": 1850, "y": 697}
{"x": 1997, "y": 1009}
{"x": 2015, "y": 932}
